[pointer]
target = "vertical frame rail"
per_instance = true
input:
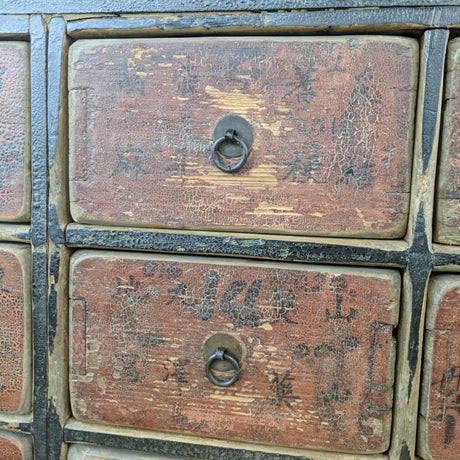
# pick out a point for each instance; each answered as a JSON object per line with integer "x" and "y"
{"x": 39, "y": 232}
{"x": 420, "y": 257}
{"x": 58, "y": 399}
{"x": 32, "y": 29}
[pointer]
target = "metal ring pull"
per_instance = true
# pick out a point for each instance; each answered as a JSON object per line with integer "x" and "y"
{"x": 221, "y": 355}
{"x": 230, "y": 137}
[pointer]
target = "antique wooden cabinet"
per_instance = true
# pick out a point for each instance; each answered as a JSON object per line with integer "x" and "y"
{"x": 226, "y": 232}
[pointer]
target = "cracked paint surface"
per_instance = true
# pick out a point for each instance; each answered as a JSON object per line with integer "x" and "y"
{"x": 332, "y": 120}
{"x": 139, "y": 322}
{"x": 14, "y": 132}
{"x": 14, "y": 334}
{"x": 440, "y": 407}
{"x": 447, "y": 225}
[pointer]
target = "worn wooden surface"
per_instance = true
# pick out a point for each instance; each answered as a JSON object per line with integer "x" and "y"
{"x": 318, "y": 351}
{"x": 439, "y": 433}
{"x": 15, "y": 340}
{"x": 14, "y": 132}
{"x": 190, "y": 446}
{"x": 82, "y": 452}
{"x": 332, "y": 121}
{"x": 15, "y": 447}
{"x": 447, "y": 226}
{"x": 419, "y": 255}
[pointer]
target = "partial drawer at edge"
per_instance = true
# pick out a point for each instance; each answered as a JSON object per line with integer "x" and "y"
{"x": 83, "y": 452}
{"x": 332, "y": 119}
{"x": 439, "y": 422}
{"x": 15, "y": 329}
{"x": 447, "y": 226}
{"x": 15, "y": 446}
{"x": 317, "y": 350}
{"x": 14, "y": 132}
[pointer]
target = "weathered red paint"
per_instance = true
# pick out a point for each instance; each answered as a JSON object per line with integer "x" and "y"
{"x": 14, "y": 132}
{"x": 332, "y": 120}
{"x": 447, "y": 228}
{"x": 443, "y": 385}
{"x": 14, "y": 333}
{"x": 318, "y": 360}
{"x": 10, "y": 449}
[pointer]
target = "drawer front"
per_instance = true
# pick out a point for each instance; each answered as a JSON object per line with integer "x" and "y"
{"x": 14, "y": 132}
{"x": 15, "y": 447}
{"x": 332, "y": 121}
{"x": 82, "y": 452}
{"x": 439, "y": 436}
{"x": 447, "y": 228}
{"x": 317, "y": 351}
{"x": 15, "y": 337}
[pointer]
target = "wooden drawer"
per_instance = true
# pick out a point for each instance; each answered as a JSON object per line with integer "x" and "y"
{"x": 15, "y": 446}
{"x": 15, "y": 330}
{"x": 82, "y": 452}
{"x": 14, "y": 132}
{"x": 439, "y": 422}
{"x": 316, "y": 348}
{"x": 447, "y": 228}
{"x": 332, "y": 120}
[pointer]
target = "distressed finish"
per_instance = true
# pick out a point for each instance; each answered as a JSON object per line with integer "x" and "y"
{"x": 332, "y": 120}
{"x": 439, "y": 434}
{"x": 14, "y": 132}
{"x": 139, "y": 322}
{"x": 447, "y": 227}
{"x": 15, "y": 340}
{"x": 82, "y": 452}
{"x": 14, "y": 447}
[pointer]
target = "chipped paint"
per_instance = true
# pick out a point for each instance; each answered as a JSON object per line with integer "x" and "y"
{"x": 235, "y": 101}
{"x": 271, "y": 209}
{"x": 318, "y": 322}
{"x": 273, "y": 127}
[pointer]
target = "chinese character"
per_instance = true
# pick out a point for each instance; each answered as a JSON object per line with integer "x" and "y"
{"x": 282, "y": 390}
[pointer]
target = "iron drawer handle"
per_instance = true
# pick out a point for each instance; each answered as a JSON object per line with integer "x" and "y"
{"x": 220, "y": 354}
{"x": 229, "y": 137}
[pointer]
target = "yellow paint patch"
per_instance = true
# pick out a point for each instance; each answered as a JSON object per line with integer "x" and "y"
{"x": 316, "y": 214}
{"x": 179, "y": 56}
{"x": 232, "y": 398}
{"x": 101, "y": 383}
{"x": 283, "y": 109}
{"x": 257, "y": 179}
{"x": 367, "y": 223}
{"x": 141, "y": 74}
{"x": 236, "y": 101}
{"x": 271, "y": 349}
{"x": 237, "y": 198}
{"x": 268, "y": 209}
{"x": 165, "y": 64}
{"x": 274, "y": 127}
{"x": 140, "y": 53}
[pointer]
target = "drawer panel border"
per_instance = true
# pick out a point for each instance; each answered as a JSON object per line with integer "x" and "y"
{"x": 415, "y": 254}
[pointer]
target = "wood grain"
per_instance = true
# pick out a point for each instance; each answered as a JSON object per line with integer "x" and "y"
{"x": 447, "y": 224}
{"x": 318, "y": 360}
{"x": 15, "y": 330}
{"x": 439, "y": 435}
{"x": 14, "y": 132}
{"x": 332, "y": 120}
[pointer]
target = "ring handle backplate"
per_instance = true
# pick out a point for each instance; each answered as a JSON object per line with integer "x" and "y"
{"x": 220, "y": 354}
